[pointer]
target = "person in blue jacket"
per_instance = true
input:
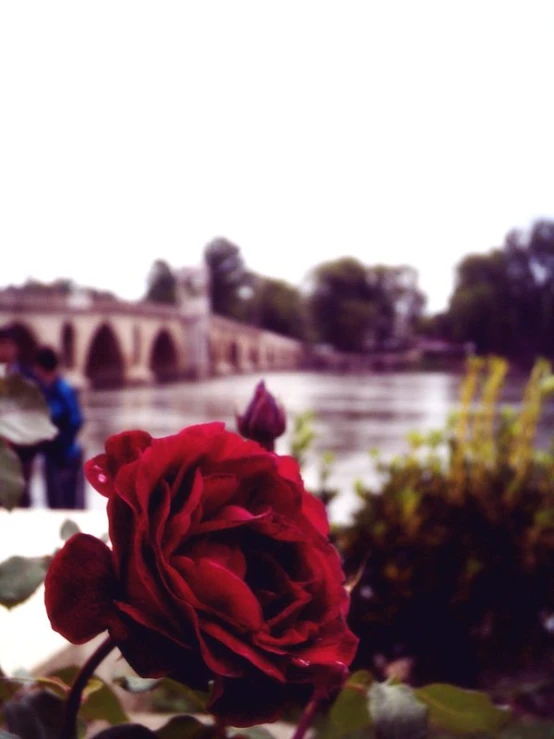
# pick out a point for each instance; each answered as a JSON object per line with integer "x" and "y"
{"x": 63, "y": 455}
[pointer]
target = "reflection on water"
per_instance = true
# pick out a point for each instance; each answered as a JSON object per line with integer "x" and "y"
{"x": 353, "y": 415}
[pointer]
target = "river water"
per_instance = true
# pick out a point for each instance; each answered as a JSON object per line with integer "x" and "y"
{"x": 353, "y": 414}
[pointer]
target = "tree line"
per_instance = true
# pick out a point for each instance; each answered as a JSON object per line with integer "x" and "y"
{"x": 502, "y": 302}
{"x": 343, "y": 303}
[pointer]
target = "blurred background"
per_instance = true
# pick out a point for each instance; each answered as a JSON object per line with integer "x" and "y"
{"x": 348, "y": 200}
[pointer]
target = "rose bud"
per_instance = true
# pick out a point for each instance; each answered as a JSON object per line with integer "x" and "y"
{"x": 221, "y": 570}
{"x": 264, "y": 419}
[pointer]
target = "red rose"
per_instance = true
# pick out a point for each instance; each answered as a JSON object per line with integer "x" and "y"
{"x": 220, "y": 570}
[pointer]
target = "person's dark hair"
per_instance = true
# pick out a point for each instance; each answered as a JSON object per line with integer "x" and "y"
{"x": 7, "y": 333}
{"x": 47, "y": 358}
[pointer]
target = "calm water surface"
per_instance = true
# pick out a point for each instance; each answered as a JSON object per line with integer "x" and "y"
{"x": 353, "y": 414}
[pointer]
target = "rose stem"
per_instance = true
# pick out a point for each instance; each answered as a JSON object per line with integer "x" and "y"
{"x": 306, "y": 718}
{"x": 74, "y": 698}
{"x": 220, "y": 728}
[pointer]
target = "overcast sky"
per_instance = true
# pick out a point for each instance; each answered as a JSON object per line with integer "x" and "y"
{"x": 303, "y": 130}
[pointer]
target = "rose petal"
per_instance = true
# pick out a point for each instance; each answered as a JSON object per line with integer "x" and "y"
{"x": 127, "y": 447}
{"x": 268, "y": 664}
{"x": 218, "y": 491}
{"x": 222, "y": 593}
{"x": 314, "y": 510}
{"x": 121, "y": 449}
{"x": 98, "y": 473}
{"x": 229, "y": 556}
{"x": 253, "y": 700}
{"x": 227, "y": 518}
{"x": 80, "y": 587}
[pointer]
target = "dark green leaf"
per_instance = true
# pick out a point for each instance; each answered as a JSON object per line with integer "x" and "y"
{"x": 462, "y": 711}
{"x": 133, "y": 684}
{"x": 20, "y": 577}
{"x": 24, "y": 414}
{"x": 68, "y": 529}
{"x": 38, "y": 715}
{"x": 175, "y": 697}
{"x": 350, "y": 712}
{"x": 396, "y": 713}
{"x": 129, "y": 731}
{"x": 6, "y": 735}
{"x": 185, "y": 727}
{"x": 11, "y": 477}
{"x": 101, "y": 703}
{"x": 254, "y": 732}
{"x": 8, "y": 688}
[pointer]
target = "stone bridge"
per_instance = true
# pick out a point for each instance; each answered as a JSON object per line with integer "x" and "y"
{"x": 108, "y": 342}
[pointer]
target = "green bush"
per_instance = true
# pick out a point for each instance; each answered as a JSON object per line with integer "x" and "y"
{"x": 456, "y": 548}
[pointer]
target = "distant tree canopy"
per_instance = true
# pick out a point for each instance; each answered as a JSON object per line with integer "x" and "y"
{"x": 279, "y": 307}
{"x": 161, "y": 284}
{"x": 355, "y": 308}
{"x": 230, "y": 288}
{"x": 503, "y": 301}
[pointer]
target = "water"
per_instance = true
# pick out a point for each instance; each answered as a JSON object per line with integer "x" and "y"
{"x": 353, "y": 414}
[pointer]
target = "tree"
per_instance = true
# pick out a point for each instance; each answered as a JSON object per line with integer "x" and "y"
{"x": 162, "y": 284}
{"x": 230, "y": 288}
{"x": 356, "y": 308}
{"x": 503, "y": 301}
{"x": 278, "y": 306}
{"x": 340, "y": 306}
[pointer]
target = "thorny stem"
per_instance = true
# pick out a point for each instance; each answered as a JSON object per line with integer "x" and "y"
{"x": 307, "y": 717}
{"x": 220, "y": 729}
{"x": 73, "y": 702}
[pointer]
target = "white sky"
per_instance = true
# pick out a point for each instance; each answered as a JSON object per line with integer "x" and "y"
{"x": 303, "y": 130}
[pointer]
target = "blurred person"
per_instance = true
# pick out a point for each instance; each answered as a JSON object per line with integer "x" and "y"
{"x": 10, "y": 365}
{"x": 9, "y": 352}
{"x": 63, "y": 456}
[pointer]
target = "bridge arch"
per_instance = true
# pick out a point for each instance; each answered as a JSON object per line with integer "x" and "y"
{"x": 104, "y": 365}
{"x": 67, "y": 344}
{"x": 164, "y": 358}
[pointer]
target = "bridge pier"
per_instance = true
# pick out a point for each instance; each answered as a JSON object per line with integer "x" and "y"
{"x": 139, "y": 375}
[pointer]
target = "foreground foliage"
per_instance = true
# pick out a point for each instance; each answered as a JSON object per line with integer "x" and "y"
{"x": 457, "y": 545}
{"x": 457, "y": 549}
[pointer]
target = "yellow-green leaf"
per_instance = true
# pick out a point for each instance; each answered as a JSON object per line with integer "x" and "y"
{"x": 462, "y": 711}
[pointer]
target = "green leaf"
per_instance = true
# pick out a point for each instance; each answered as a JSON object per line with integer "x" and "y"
{"x": 6, "y": 735}
{"x": 185, "y": 727}
{"x": 10, "y": 686}
{"x": 547, "y": 385}
{"x": 68, "y": 529}
{"x": 24, "y": 414}
{"x": 20, "y": 577}
{"x": 38, "y": 715}
{"x": 396, "y": 713}
{"x": 100, "y": 700}
{"x": 174, "y": 697}
{"x": 133, "y": 684}
{"x": 12, "y": 483}
{"x": 254, "y": 732}
{"x": 350, "y": 712}
{"x": 462, "y": 711}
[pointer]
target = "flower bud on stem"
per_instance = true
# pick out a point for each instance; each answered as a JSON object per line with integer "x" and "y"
{"x": 264, "y": 420}
{"x": 73, "y": 703}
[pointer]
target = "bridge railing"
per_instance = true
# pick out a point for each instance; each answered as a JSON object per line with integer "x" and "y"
{"x": 76, "y": 303}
